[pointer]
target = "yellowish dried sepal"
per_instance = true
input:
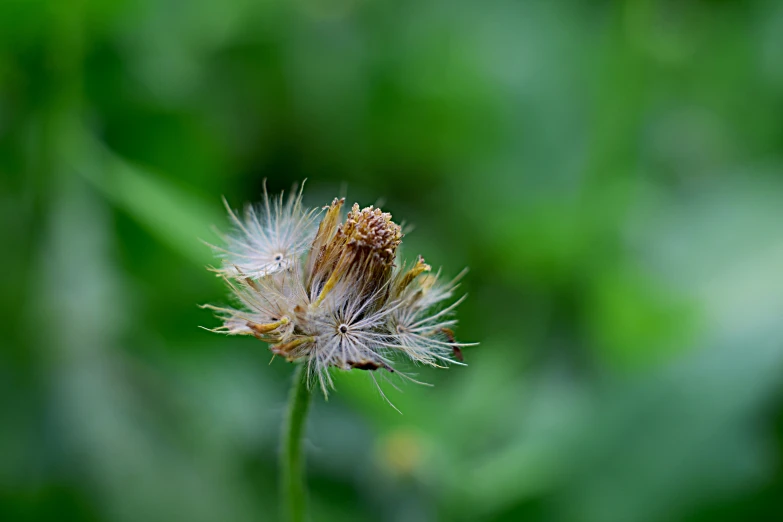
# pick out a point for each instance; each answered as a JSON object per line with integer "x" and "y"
{"x": 285, "y": 349}
{"x": 410, "y": 275}
{"x": 326, "y": 231}
{"x": 262, "y": 329}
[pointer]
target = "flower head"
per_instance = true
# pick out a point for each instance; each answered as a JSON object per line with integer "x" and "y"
{"x": 269, "y": 238}
{"x": 334, "y": 296}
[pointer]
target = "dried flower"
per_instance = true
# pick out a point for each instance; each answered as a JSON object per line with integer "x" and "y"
{"x": 332, "y": 296}
{"x": 269, "y": 239}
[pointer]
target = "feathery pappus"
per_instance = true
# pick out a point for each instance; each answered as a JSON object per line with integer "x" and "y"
{"x": 330, "y": 293}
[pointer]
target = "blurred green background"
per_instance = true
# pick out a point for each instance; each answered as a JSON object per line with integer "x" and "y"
{"x": 609, "y": 171}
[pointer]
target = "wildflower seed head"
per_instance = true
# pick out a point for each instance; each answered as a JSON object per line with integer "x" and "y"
{"x": 267, "y": 238}
{"x": 333, "y": 296}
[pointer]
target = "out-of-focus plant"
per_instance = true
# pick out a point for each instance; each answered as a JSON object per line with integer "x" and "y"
{"x": 328, "y": 297}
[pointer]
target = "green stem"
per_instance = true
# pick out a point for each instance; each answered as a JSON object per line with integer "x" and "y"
{"x": 292, "y": 483}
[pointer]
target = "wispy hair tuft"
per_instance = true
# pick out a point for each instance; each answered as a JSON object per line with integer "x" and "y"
{"x": 331, "y": 295}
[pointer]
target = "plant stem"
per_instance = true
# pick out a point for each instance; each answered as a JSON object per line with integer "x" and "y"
{"x": 292, "y": 483}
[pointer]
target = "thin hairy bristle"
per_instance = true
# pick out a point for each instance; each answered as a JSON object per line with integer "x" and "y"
{"x": 269, "y": 237}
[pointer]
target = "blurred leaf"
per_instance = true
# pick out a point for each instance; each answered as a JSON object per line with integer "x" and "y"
{"x": 169, "y": 212}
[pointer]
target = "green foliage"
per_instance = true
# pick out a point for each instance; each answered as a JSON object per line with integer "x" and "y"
{"x": 610, "y": 172}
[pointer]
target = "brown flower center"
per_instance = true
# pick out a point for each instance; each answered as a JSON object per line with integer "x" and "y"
{"x": 361, "y": 251}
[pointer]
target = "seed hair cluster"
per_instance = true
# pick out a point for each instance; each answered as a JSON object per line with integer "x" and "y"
{"x": 329, "y": 293}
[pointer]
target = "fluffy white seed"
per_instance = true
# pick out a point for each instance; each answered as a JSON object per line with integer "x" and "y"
{"x": 335, "y": 298}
